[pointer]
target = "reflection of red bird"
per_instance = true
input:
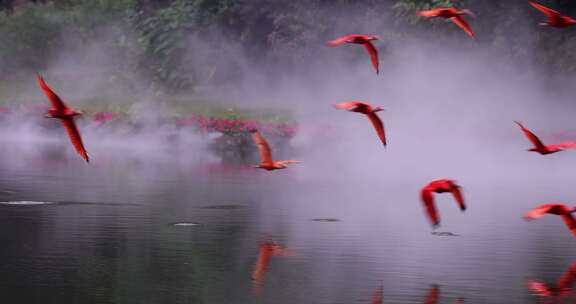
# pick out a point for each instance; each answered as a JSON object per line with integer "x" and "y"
{"x": 452, "y": 14}
{"x": 433, "y": 294}
{"x": 555, "y": 19}
{"x": 440, "y": 186}
{"x": 540, "y": 147}
{"x": 561, "y": 289}
{"x": 266, "y": 161}
{"x": 557, "y": 209}
{"x": 364, "y": 40}
{"x": 66, "y": 115}
{"x": 378, "y": 296}
{"x": 369, "y": 111}
{"x": 267, "y": 250}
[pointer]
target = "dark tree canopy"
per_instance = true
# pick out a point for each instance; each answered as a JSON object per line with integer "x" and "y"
{"x": 154, "y": 35}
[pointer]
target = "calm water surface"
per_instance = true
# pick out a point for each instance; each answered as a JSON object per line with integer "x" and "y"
{"x": 109, "y": 235}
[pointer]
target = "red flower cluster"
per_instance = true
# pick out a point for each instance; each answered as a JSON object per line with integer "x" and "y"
{"x": 225, "y": 125}
{"x": 201, "y": 123}
{"x": 103, "y": 117}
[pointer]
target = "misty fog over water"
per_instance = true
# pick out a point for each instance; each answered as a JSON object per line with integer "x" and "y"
{"x": 159, "y": 216}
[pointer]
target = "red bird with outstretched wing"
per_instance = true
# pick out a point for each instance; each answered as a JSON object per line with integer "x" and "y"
{"x": 369, "y": 111}
{"x": 561, "y": 210}
{"x": 452, "y": 14}
{"x": 440, "y": 186}
{"x": 364, "y": 40}
{"x": 555, "y": 19}
{"x": 66, "y": 115}
{"x": 540, "y": 147}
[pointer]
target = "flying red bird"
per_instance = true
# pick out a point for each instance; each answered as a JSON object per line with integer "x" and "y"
{"x": 369, "y": 111}
{"x": 440, "y": 186}
{"x": 364, "y": 40}
{"x": 561, "y": 289}
{"x": 453, "y": 14}
{"x": 557, "y": 209}
{"x": 540, "y": 147}
{"x": 66, "y": 115}
{"x": 266, "y": 161}
{"x": 555, "y": 19}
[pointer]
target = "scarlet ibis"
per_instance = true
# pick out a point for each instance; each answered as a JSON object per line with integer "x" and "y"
{"x": 369, "y": 111}
{"x": 364, "y": 40}
{"x": 451, "y": 13}
{"x": 540, "y": 147}
{"x": 266, "y": 161}
{"x": 562, "y": 210}
{"x": 555, "y": 19}
{"x": 66, "y": 115}
{"x": 440, "y": 186}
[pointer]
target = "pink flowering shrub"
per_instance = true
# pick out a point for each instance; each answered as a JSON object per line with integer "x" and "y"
{"x": 229, "y": 126}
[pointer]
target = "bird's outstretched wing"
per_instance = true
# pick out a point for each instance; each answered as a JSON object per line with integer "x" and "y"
{"x": 378, "y": 126}
{"x": 339, "y": 41}
{"x": 563, "y": 146}
{"x": 373, "y": 52}
{"x": 430, "y": 207}
{"x": 539, "y": 211}
{"x": 457, "y": 193}
{"x": 531, "y": 136}
{"x": 569, "y": 277}
{"x": 460, "y": 22}
{"x": 263, "y": 147}
{"x": 56, "y": 101}
{"x": 430, "y": 13}
{"x": 570, "y": 222}
{"x": 287, "y": 162}
{"x": 75, "y": 137}
{"x": 539, "y": 288}
{"x": 348, "y": 105}
{"x": 550, "y": 13}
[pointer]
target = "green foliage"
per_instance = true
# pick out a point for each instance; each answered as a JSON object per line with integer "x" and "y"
{"x": 24, "y": 34}
{"x": 161, "y": 37}
{"x": 152, "y": 38}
